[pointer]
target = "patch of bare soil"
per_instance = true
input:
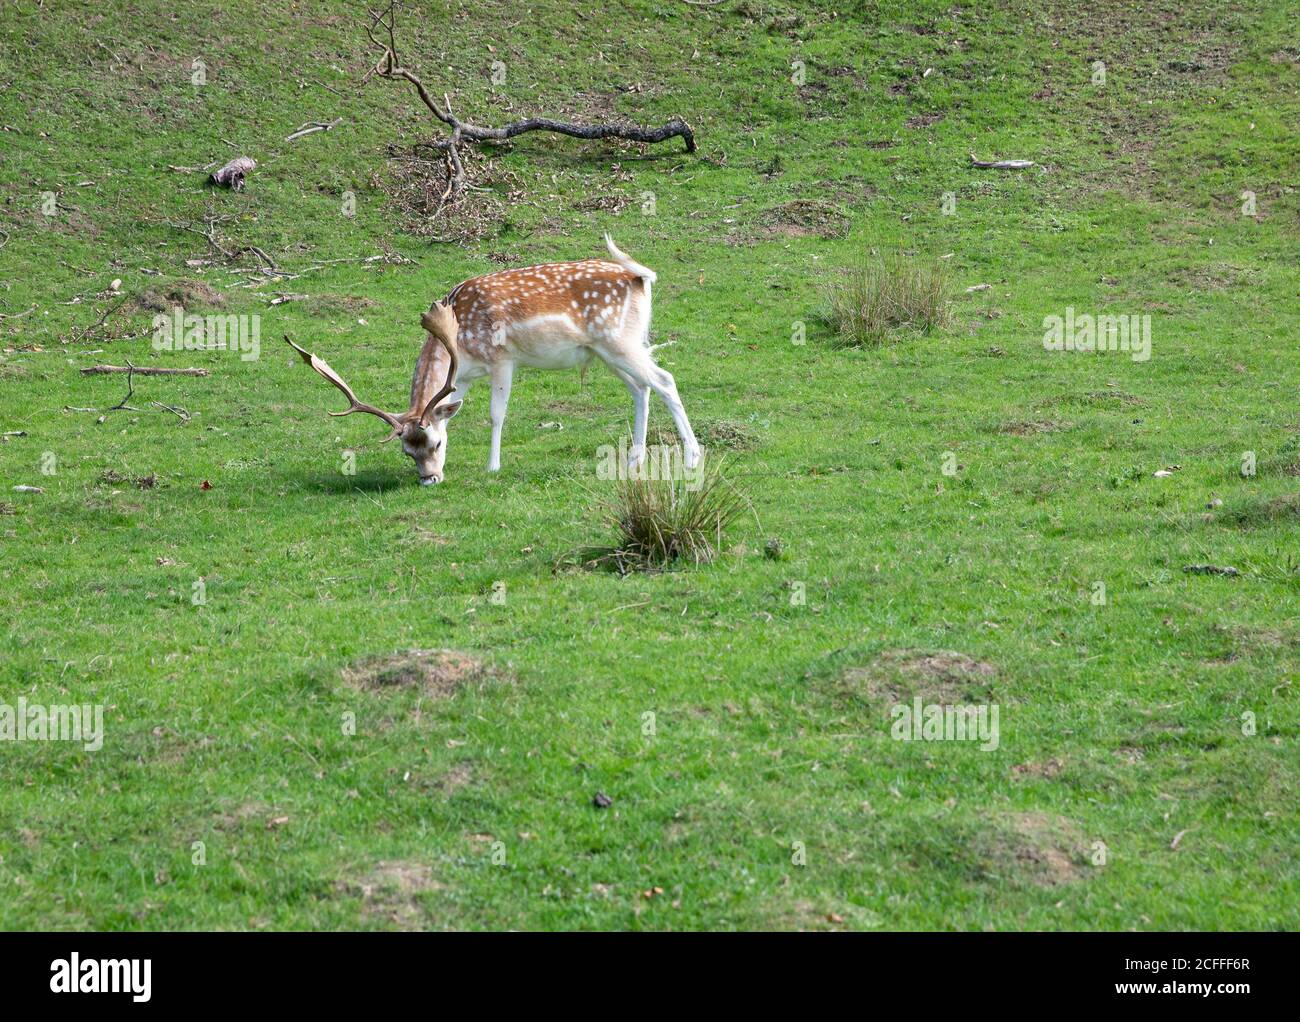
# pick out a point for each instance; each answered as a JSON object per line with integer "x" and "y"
{"x": 440, "y": 673}
{"x": 456, "y": 778}
{"x": 1032, "y": 427}
{"x": 1048, "y": 769}
{"x": 802, "y": 218}
{"x": 1214, "y": 277}
{"x": 898, "y": 675}
{"x": 1039, "y": 848}
{"x": 186, "y": 293}
{"x": 111, "y": 477}
{"x": 714, "y": 433}
{"x": 1244, "y": 641}
{"x": 924, "y": 120}
{"x": 391, "y": 892}
{"x": 813, "y": 92}
{"x": 249, "y": 812}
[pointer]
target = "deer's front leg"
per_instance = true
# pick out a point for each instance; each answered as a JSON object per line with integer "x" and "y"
{"x": 502, "y": 375}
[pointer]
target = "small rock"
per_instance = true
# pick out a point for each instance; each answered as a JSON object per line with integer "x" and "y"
{"x": 602, "y": 801}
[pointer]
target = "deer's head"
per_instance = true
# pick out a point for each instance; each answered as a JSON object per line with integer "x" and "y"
{"x": 423, "y": 426}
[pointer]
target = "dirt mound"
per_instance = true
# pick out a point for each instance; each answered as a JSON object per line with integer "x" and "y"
{"x": 1043, "y": 849}
{"x": 188, "y": 294}
{"x": 944, "y": 677}
{"x": 803, "y": 218}
{"x": 390, "y": 893}
{"x": 714, "y": 433}
{"x": 439, "y": 672}
{"x": 1032, "y": 427}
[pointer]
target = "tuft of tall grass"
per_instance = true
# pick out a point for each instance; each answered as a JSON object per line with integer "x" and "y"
{"x": 663, "y": 522}
{"x": 882, "y": 294}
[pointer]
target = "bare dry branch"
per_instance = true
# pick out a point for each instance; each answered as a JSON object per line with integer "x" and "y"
{"x": 390, "y": 66}
{"x": 312, "y": 127}
{"x": 999, "y": 164}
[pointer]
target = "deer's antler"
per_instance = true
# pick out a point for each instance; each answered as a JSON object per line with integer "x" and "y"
{"x": 322, "y": 367}
{"x": 440, "y": 322}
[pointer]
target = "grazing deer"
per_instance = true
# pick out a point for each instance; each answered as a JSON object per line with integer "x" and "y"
{"x": 554, "y": 316}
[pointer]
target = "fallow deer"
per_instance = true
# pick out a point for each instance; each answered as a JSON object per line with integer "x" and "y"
{"x": 553, "y": 316}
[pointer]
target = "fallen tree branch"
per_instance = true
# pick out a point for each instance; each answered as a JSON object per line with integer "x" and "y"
{"x": 142, "y": 370}
{"x": 390, "y": 66}
{"x": 311, "y": 127}
{"x": 181, "y": 412}
{"x": 1000, "y": 164}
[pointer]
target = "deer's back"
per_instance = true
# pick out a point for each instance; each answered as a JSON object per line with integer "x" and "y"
{"x": 529, "y": 310}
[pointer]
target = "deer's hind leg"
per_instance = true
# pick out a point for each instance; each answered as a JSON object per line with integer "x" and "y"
{"x": 637, "y": 365}
{"x": 640, "y": 416}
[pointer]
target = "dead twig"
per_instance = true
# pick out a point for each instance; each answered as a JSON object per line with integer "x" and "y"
{"x": 181, "y": 412}
{"x": 142, "y": 370}
{"x": 122, "y": 405}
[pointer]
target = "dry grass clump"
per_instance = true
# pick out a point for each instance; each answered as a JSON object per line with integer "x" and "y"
{"x": 882, "y": 295}
{"x": 661, "y": 522}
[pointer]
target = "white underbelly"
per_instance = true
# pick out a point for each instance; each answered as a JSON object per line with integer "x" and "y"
{"x": 549, "y": 342}
{"x": 566, "y": 356}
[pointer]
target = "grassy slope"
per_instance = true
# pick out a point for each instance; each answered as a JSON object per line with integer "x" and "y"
{"x": 226, "y": 716}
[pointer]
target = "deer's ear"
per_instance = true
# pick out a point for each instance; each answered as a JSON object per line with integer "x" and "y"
{"x": 446, "y": 411}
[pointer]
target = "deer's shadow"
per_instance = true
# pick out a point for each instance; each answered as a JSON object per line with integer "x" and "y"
{"x": 369, "y": 481}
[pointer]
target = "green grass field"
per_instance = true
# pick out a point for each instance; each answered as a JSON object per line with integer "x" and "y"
{"x": 965, "y": 494}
